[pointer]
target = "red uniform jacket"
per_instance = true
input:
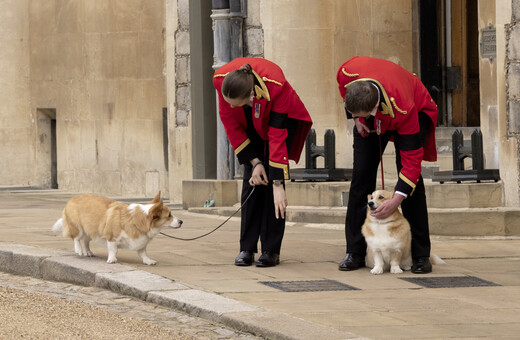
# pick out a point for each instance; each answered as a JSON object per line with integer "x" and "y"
{"x": 402, "y": 97}
{"x": 276, "y": 106}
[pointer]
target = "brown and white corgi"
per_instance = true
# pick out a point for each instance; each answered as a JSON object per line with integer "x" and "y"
{"x": 122, "y": 225}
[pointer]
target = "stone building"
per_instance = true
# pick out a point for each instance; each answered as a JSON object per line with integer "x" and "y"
{"x": 115, "y": 96}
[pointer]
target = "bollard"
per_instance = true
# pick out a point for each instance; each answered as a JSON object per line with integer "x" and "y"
{"x": 328, "y": 152}
{"x": 475, "y": 150}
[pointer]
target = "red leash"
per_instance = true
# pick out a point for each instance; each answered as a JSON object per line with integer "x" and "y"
{"x": 381, "y": 161}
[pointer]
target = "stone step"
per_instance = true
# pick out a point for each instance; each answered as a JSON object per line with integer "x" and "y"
{"x": 445, "y": 222}
{"x": 456, "y": 209}
{"x": 335, "y": 194}
{"x": 447, "y": 195}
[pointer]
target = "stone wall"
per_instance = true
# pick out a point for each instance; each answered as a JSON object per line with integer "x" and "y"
{"x": 253, "y": 31}
{"x": 513, "y": 89}
{"x": 179, "y": 82}
{"x": 513, "y": 71}
{"x": 16, "y": 120}
{"x": 311, "y": 39}
{"x": 99, "y": 65}
{"x": 489, "y": 121}
{"x": 506, "y": 139}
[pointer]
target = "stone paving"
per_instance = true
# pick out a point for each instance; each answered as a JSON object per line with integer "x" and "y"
{"x": 125, "y": 305}
{"x": 202, "y": 276}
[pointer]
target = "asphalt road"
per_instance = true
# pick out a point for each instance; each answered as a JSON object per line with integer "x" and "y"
{"x": 36, "y": 309}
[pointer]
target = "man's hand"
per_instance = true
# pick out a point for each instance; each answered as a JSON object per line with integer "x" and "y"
{"x": 280, "y": 201}
{"x": 387, "y": 208}
{"x": 259, "y": 176}
{"x": 361, "y": 128}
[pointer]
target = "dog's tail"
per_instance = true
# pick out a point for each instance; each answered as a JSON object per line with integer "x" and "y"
{"x": 58, "y": 226}
{"x": 435, "y": 259}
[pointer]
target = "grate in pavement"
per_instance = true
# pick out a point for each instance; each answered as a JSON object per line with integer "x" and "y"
{"x": 449, "y": 282}
{"x": 308, "y": 286}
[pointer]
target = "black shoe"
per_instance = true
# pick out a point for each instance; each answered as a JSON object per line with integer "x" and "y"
{"x": 421, "y": 265}
{"x": 268, "y": 259}
{"x": 245, "y": 258}
{"x": 352, "y": 262}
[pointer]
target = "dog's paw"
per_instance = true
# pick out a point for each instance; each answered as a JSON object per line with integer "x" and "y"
{"x": 111, "y": 260}
{"x": 90, "y": 254}
{"x": 396, "y": 270}
{"x": 150, "y": 262}
{"x": 377, "y": 270}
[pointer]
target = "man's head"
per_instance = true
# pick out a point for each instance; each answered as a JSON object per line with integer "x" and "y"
{"x": 361, "y": 97}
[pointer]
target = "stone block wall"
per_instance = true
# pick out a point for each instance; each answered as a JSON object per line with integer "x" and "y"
{"x": 253, "y": 31}
{"x": 512, "y": 64}
{"x": 253, "y": 47}
{"x": 182, "y": 65}
{"x": 179, "y": 85}
{"x": 513, "y": 71}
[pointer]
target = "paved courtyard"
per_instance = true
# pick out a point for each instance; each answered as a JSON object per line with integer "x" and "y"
{"x": 474, "y": 296}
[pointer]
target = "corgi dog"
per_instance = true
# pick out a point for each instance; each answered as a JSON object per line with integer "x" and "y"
{"x": 121, "y": 225}
{"x": 388, "y": 240}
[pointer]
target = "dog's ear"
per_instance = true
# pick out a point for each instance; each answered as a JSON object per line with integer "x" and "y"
{"x": 157, "y": 198}
{"x": 156, "y": 210}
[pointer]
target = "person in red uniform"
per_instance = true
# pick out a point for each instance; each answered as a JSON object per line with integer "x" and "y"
{"x": 266, "y": 123}
{"x": 387, "y": 103}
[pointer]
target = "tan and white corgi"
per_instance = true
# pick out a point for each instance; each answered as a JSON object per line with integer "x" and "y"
{"x": 122, "y": 225}
{"x": 388, "y": 240}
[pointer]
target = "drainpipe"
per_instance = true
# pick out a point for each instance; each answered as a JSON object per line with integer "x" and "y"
{"x": 236, "y": 18}
{"x": 228, "y": 19}
{"x": 449, "y": 97}
{"x": 222, "y": 55}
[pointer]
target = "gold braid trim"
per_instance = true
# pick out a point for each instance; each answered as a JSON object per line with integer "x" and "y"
{"x": 397, "y": 107}
{"x": 349, "y": 74}
{"x": 242, "y": 146}
{"x": 284, "y": 167}
{"x": 407, "y": 181}
{"x": 220, "y": 75}
{"x": 261, "y": 91}
{"x": 386, "y": 107}
{"x": 271, "y": 81}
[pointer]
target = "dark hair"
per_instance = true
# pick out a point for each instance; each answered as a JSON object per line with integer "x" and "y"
{"x": 360, "y": 96}
{"x": 238, "y": 83}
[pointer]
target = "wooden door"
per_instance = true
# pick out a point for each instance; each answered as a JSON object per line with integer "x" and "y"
{"x": 464, "y": 73}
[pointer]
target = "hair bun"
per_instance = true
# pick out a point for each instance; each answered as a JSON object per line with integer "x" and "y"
{"x": 246, "y": 68}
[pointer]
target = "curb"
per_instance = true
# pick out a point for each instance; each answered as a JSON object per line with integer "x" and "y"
{"x": 95, "y": 272}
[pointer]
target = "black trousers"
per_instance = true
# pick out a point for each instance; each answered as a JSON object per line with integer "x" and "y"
{"x": 366, "y": 162}
{"x": 258, "y": 217}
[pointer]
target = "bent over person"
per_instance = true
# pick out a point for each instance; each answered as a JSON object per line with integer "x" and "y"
{"x": 266, "y": 123}
{"x": 387, "y": 103}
